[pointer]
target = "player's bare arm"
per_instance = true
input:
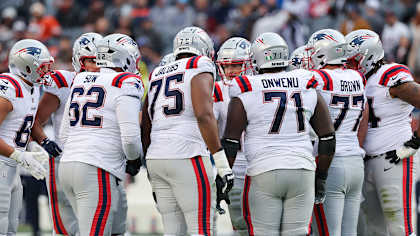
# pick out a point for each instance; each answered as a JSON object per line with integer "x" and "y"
{"x": 363, "y": 127}
{"x": 5, "y": 108}
{"x": 146, "y": 126}
{"x": 202, "y": 102}
{"x": 49, "y": 104}
{"x": 235, "y": 125}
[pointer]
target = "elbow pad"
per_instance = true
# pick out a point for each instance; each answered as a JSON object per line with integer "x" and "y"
{"x": 231, "y": 146}
{"x": 326, "y": 144}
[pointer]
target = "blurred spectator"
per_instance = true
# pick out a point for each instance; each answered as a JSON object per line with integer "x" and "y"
{"x": 395, "y": 38}
{"x": 42, "y": 27}
{"x": 294, "y": 32}
{"x": 220, "y": 11}
{"x": 8, "y": 16}
{"x": 298, "y": 8}
{"x": 69, "y": 13}
{"x": 373, "y": 16}
{"x": 353, "y": 21}
{"x": 241, "y": 19}
{"x": 102, "y": 26}
{"x": 270, "y": 23}
{"x": 201, "y": 14}
{"x": 95, "y": 12}
{"x": 116, "y": 9}
{"x": 140, "y": 11}
{"x": 414, "y": 55}
{"x": 124, "y": 25}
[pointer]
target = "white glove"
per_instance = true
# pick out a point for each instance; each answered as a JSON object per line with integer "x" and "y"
{"x": 224, "y": 170}
{"x": 404, "y": 152}
{"x": 29, "y": 160}
{"x": 43, "y": 159}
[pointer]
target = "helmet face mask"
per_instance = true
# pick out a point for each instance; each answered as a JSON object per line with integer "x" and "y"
{"x": 270, "y": 50}
{"x": 326, "y": 46}
{"x": 84, "y": 47}
{"x": 118, "y": 51}
{"x": 31, "y": 60}
{"x": 234, "y": 59}
{"x": 193, "y": 40}
{"x": 364, "y": 50}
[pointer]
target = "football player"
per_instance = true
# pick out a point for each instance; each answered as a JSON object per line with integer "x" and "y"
{"x": 52, "y": 105}
{"x": 299, "y": 58}
{"x": 179, "y": 125}
{"x": 277, "y": 108}
{"x": 100, "y": 133}
{"x": 29, "y": 64}
{"x": 343, "y": 90}
{"x": 390, "y": 144}
{"x": 233, "y": 59}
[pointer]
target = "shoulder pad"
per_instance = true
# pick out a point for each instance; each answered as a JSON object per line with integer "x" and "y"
{"x": 323, "y": 76}
{"x": 217, "y": 93}
{"x": 395, "y": 75}
{"x": 119, "y": 79}
{"x": 59, "y": 79}
{"x": 9, "y": 83}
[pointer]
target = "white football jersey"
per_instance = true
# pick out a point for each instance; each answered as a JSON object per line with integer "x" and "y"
{"x": 175, "y": 133}
{"x": 15, "y": 130}
{"x": 220, "y": 110}
{"x": 389, "y": 118}
{"x": 60, "y": 88}
{"x": 343, "y": 92}
{"x": 93, "y": 133}
{"x": 278, "y": 107}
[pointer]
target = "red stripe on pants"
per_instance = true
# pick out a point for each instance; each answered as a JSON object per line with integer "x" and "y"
{"x": 58, "y": 223}
{"x": 245, "y": 206}
{"x": 321, "y": 220}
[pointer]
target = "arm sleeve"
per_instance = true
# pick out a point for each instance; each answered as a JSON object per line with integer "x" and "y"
{"x": 65, "y": 123}
{"x": 128, "y": 107}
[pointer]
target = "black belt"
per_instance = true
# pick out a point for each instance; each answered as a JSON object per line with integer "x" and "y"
{"x": 388, "y": 153}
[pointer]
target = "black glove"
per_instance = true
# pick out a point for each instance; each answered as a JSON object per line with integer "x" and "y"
{"x": 133, "y": 167}
{"x": 223, "y": 183}
{"x": 405, "y": 151}
{"x": 51, "y": 147}
{"x": 320, "y": 182}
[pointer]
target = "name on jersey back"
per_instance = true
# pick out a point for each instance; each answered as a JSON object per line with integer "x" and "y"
{"x": 350, "y": 86}
{"x": 280, "y": 82}
{"x": 167, "y": 69}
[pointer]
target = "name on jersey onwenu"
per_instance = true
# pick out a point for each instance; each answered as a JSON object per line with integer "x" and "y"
{"x": 286, "y": 82}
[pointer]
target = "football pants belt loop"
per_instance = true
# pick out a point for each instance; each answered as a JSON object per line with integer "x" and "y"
{"x": 370, "y": 157}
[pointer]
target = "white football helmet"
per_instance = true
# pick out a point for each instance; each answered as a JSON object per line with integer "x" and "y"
{"x": 299, "y": 59}
{"x": 168, "y": 58}
{"x": 118, "y": 50}
{"x": 364, "y": 50}
{"x": 31, "y": 60}
{"x": 193, "y": 40}
{"x": 326, "y": 46}
{"x": 84, "y": 47}
{"x": 234, "y": 51}
{"x": 269, "y": 50}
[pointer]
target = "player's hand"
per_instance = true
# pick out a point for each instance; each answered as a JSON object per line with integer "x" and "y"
{"x": 407, "y": 150}
{"x": 222, "y": 194}
{"x": 29, "y": 161}
{"x": 133, "y": 167}
{"x": 320, "y": 182}
{"x": 51, "y": 147}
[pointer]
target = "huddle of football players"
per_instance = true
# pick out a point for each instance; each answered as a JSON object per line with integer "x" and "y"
{"x": 318, "y": 144}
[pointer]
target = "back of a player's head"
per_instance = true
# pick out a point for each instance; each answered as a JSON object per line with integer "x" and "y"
{"x": 270, "y": 53}
{"x": 118, "y": 51}
{"x": 192, "y": 41}
{"x": 84, "y": 47}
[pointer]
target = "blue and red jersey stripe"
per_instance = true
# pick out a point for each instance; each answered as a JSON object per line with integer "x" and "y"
{"x": 244, "y": 83}
{"x": 328, "y": 82}
{"x": 392, "y": 71}
{"x": 193, "y": 62}
{"x": 217, "y": 94}
{"x": 312, "y": 83}
{"x": 18, "y": 89}
{"x": 59, "y": 79}
{"x": 119, "y": 79}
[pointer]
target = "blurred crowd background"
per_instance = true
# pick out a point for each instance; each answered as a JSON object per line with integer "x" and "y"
{"x": 154, "y": 23}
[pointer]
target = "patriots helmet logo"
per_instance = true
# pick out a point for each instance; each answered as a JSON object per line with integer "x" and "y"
{"x": 322, "y": 36}
{"x": 84, "y": 41}
{"x": 358, "y": 40}
{"x": 296, "y": 61}
{"x": 128, "y": 40}
{"x": 3, "y": 88}
{"x": 34, "y": 51}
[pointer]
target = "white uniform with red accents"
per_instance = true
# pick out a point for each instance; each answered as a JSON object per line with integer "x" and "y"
{"x": 93, "y": 101}
{"x": 61, "y": 89}
{"x": 287, "y": 135}
{"x": 343, "y": 91}
{"x": 277, "y": 144}
{"x": 170, "y": 104}
{"x": 389, "y": 128}
{"x": 15, "y": 130}
{"x": 178, "y": 162}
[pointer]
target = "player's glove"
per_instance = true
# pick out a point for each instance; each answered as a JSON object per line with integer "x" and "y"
{"x": 133, "y": 167}
{"x": 408, "y": 149}
{"x": 221, "y": 195}
{"x": 51, "y": 147}
{"x": 223, "y": 169}
{"x": 32, "y": 162}
{"x": 320, "y": 182}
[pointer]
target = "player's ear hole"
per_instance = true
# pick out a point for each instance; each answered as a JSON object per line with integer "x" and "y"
{"x": 128, "y": 62}
{"x": 28, "y": 69}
